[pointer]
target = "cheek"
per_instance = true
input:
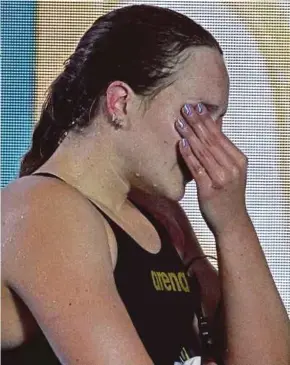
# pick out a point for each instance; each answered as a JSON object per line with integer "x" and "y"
{"x": 168, "y": 151}
{"x": 161, "y": 123}
{"x": 169, "y": 136}
{"x": 165, "y": 134}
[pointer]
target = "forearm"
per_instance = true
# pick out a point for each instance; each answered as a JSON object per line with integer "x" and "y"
{"x": 257, "y": 325}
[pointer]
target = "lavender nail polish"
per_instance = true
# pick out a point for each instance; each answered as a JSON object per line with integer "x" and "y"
{"x": 180, "y": 123}
{"x": 187, "y": 109}
{"x": 184, "y": 142}
{"x": 199, "y": 108}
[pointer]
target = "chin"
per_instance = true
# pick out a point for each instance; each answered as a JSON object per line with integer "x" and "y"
{"x": 171, "y": 187}
{"x": 174, "y": 191}
{"x": 179, "y": 194}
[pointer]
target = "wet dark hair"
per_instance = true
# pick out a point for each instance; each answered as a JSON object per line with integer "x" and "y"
{"x": 137, "y": 44}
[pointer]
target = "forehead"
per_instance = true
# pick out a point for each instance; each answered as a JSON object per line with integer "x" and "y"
{"x": 203, "y": 76}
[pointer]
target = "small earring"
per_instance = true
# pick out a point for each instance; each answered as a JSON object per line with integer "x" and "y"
{"x": 73, "y": 123}
{"x": 116, "y": 121}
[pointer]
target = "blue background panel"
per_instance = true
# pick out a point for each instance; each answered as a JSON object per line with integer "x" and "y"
{"x": 18, "y": 62}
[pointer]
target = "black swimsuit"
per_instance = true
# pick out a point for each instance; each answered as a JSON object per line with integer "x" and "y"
{"x": 160, "y": 299}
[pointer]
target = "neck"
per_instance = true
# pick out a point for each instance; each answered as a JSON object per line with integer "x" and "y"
{"x": 94, "y": 169}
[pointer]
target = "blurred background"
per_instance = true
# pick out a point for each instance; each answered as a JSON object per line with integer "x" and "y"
{"x": 38, "y": 36}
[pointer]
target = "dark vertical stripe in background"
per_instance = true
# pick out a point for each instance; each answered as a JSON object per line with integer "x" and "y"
{"x": 18, "y": 63}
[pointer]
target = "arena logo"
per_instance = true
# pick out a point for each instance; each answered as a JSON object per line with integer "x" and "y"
{"x": 170, "y": 281}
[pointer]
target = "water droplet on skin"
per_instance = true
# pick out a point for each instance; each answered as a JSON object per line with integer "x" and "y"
{"x": 137, "y": 174}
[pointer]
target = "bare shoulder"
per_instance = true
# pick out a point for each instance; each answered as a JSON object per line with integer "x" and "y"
{"x": 40, "y": 215}
{"x": 57, "y": 260}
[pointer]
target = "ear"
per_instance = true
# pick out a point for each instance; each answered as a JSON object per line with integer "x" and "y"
{"x": 118, "y": 97}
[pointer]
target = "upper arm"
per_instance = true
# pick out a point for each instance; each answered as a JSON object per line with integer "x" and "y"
{"x": 60, "y": 265}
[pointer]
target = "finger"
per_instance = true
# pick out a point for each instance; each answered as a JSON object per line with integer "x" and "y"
{"x": 197, "y": 170}
{"x": 210, "y": 132}
{"x": 203, "y": 157}
{"x": 210, "y": 141}
{"x": 215, "y": 131}
{"x": 201, "y": 114}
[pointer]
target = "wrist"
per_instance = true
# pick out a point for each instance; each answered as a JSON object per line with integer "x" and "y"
{"x": 237, "y": 226}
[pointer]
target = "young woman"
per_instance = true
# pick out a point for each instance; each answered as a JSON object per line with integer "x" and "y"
{"x": 96, "y": 248}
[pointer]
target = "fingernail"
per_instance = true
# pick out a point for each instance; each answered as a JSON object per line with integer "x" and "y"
{"x": 199, "y": 108}
{"x": 187, "y": 109}
{"x": 180, "y": 123}
{"x": 184, "y": 142}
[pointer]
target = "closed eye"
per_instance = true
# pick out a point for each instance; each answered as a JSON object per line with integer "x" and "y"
{"x": 214, "y": 109}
